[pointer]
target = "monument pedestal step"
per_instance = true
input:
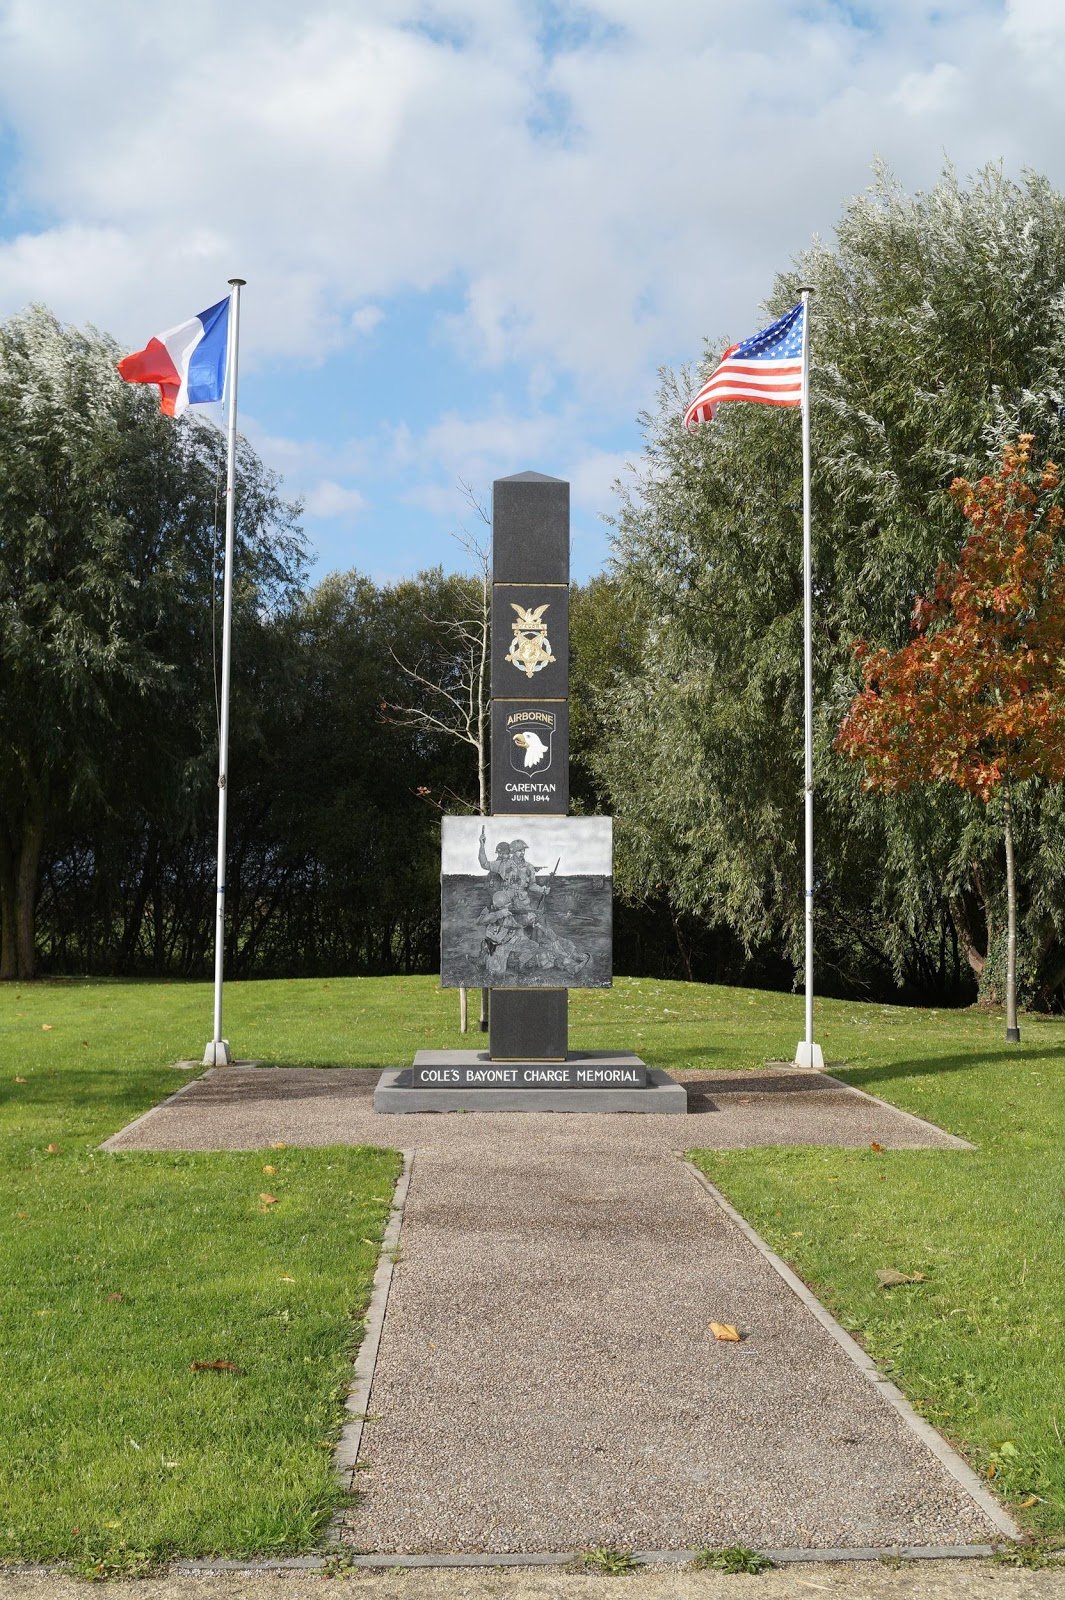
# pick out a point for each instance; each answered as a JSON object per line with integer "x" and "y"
{"x": 469, "y": 1080}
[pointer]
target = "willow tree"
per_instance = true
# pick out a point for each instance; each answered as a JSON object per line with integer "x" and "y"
{"x": 107, "y": 575}
{"x": 938, "y": 330}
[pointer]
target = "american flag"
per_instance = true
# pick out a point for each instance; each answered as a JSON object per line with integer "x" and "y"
{"x": 766, "y": 368}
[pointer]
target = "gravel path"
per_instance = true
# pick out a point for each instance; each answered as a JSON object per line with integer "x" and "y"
{"x": 547, "y": 1379}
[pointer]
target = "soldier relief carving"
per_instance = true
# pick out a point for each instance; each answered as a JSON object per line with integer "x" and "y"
{"x": 517, "y": 933}
{"x": 537, "y": 913}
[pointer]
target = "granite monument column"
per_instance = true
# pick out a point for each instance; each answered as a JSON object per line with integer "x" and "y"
{"x": 530, "y": 713}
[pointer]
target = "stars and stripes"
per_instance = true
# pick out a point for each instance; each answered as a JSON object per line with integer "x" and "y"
{"x": 766, "y": 368}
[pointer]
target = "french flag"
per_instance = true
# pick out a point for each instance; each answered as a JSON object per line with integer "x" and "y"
{"x": 187, "y": 362}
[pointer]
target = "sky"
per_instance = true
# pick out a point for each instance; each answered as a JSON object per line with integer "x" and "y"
{"x": 473, "y": 230}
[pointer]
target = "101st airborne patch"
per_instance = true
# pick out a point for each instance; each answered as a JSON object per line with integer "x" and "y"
{"x": 530, "y": 648}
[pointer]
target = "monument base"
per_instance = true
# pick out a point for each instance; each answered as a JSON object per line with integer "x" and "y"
{"x": 468, "y": 1080}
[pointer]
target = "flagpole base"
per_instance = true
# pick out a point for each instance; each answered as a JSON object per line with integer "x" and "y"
{"x": 809, "y": 1056}
{"x": 217, "y": 1053}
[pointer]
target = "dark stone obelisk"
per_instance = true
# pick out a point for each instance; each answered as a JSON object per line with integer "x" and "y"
{"x": 530, "y": 577}
{"x": 528, "y": 1065}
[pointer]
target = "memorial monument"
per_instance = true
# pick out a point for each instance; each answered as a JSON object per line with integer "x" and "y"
{"x": 526, "y": 893}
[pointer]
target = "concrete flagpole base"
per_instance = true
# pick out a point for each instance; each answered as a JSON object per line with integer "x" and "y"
{"x": 809, "y": 1056}
{"x": 217, "y": 1053}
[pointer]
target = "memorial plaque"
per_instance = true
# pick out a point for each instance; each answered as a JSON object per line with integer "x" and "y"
{"x": 530, "y": 756}
{"x": 528, "y": 910}
{"x": 530, "y": 1075}
{"x": 530, "y": 641}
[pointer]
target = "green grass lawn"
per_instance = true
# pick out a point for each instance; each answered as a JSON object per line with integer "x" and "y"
{"x": 120, "y": 1271}
{"x": 979, "y": 1347}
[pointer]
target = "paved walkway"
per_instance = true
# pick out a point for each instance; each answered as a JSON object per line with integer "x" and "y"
{"x": 547, "y": 1379}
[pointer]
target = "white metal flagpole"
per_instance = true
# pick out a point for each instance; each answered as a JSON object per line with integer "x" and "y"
{"x": 808, "y": 1054}
{"x": 217, "y": 1051}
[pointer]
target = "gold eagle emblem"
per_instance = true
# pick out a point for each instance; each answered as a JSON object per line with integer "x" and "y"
{"x": 530, "y": 648}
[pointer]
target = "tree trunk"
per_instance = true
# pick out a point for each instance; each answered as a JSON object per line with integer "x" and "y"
{"x": 464, "y": 1010}
{"x": 484, "y": 1010}
{"x": 1013, "y": 1033}
{"x": 29, "y": 862}
{"x": 963, "y": 928}
{"x": 8, "y": 947}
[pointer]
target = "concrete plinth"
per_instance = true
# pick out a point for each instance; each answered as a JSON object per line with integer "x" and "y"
{"x": 396, "y": 1092}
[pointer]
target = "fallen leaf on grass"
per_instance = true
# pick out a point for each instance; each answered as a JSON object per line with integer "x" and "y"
{"x": 279, "y": 1145}
{"x": 114, "y": 1298}
{"x": 286, "y": 1278}
{"x": 877, "y": 1147}
{"x": 267, "y": 1200}
{"x": 20, "y": 1080}
{"x": 889, "y": 1278}
{"x": 51, "y": 1149}
{"x": 269, "y": 1171}
{"x": 46, "y": 1027}
{"x": 1029, "y": 1501}
{"x": 214, "y": 1366}
{"x": 726, "y": 1332}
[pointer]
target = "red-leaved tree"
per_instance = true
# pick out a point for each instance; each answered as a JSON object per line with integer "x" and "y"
{"x": 977, "y": 697}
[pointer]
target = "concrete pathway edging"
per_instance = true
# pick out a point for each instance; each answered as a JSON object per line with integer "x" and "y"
{"x": 357, "y": 1404}
{"x": 110, "y": 1144}
{"x": 951, "y": 1140}
{"x": 569, "y": 1558}
{"x": 948, "y": 1457}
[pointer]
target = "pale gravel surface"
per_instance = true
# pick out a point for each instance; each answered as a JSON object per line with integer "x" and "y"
{"x": 547, "y": 1379}
{"x": 918, "y": 1580}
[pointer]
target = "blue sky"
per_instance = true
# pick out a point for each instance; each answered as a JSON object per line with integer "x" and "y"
{"x": 474, "y": 229}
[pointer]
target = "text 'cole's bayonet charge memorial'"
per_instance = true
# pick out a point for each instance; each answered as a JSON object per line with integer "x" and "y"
{"x": 527, "y": 892}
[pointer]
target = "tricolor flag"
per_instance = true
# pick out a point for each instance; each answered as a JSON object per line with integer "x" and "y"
{"x": 187, "y": 362}
{"x": 766, "y": 368}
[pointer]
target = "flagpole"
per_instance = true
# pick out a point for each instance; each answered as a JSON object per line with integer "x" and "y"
{"x": 217, "y": 1051}
{"x": 808, "y": 1054}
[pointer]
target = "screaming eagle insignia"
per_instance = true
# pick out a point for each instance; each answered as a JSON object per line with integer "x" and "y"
{"x": 530, "y": 648}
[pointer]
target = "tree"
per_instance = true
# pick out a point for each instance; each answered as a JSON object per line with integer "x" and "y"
{"x": 977, "y": 697}
{"x": 107, "y": 573}
{"x": 449, "y": 687}
{"x": 938, "y": 330}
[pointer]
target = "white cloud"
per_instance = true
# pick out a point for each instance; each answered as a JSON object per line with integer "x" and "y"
{"x": 367, "y": 318}
{"x": 329, "y": 499}
{"x": 599, "y": 196}
{"x": 927, "y": 93}
{"x": 333, "y": 155}
{"x": 592, "y": 480}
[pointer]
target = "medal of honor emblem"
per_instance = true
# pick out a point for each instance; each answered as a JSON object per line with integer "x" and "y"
{"x": 530, "y": 648}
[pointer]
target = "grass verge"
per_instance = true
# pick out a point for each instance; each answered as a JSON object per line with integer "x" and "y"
{"x": 978, "y": 1346}
{"x": 120, "y": 1273}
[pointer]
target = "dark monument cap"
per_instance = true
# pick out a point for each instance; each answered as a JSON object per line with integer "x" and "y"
{"x": 530, "y": 529}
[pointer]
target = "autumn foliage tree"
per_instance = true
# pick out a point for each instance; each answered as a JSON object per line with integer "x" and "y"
{"x": 977, "y": 697}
